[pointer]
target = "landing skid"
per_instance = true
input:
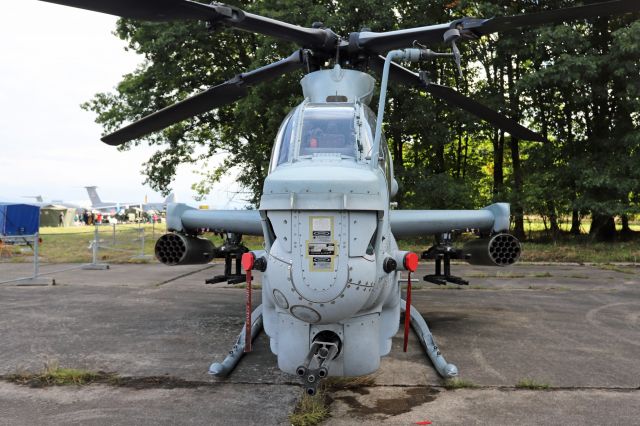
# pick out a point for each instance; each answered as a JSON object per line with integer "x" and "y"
{"x": 320, "y": 354}
{"x": 322, "y": 359}
{"x": 224, "y": 368}
{"x": 426, "y": 339}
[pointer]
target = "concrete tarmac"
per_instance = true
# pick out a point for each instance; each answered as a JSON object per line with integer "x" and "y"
{"x": 574, "y": 328}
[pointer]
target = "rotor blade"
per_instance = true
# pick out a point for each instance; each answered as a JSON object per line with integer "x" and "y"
{"x": 493, "y": 117}
{"x": 474, "y": 27}
{"x": 170, "y": 10}
{"x": 215, "y": 97}
{"x": 384, "y": 42}
{"x": 505, "y": 23}
{"x": 148, "y": 10}
{"x": 455, "y": 98}
{"x": 305, "y": 37}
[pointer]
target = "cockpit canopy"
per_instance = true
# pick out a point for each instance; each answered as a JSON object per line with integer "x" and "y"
{"x": 339, "y": 131}
{"x": 328, "y": 130}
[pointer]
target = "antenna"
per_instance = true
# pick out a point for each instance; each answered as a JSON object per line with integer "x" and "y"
{"x": 451, "y": 36}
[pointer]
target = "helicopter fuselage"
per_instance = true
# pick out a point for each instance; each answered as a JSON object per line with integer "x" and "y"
{"x": 326, "y": 224}
{"x": 331, "y": 264}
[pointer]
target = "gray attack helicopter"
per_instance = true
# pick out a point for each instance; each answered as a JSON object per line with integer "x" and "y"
{"x": 331, "y": 267}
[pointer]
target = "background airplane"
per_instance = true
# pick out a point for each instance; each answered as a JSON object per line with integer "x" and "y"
{"x": 40, "y": 202}
{"x": 98, "y": 204}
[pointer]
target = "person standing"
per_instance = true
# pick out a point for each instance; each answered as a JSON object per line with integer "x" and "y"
{"x": 61, "y": 219}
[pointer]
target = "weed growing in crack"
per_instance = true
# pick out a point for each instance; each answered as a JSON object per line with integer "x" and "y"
{"x": 532, "y": 384}
{"x": 311, "y": 410}
{"x": 54, "y": 375}
{"x": 458, "y": 383}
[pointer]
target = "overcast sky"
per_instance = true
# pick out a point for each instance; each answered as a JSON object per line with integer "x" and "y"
{"x": 53, "y": 58}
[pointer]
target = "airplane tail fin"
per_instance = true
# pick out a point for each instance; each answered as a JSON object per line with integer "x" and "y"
{"x": 38, "y": 198}
{"x": 171, "y": 198}
{"x": 93, "y": 195}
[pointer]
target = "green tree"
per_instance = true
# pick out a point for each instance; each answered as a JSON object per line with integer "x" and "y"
{"x": 577, "y": 84}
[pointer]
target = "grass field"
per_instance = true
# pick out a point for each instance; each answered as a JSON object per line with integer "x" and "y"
{"x": 579, "y": 250}
{"x": 535, "y": 226}
{"x": 124, "y": 244}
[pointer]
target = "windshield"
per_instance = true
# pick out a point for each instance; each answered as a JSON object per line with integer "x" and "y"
{"x": 281, "y": 147}
{"x": 328, "y": 130}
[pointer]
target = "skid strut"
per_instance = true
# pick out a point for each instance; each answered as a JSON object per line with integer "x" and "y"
{"x": 316, "y": 364}
{"x": 426, "y": 339}
{"x": 237, "y": 351}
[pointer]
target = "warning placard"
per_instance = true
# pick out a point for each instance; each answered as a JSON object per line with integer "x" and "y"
{"x": 322, "y": 262}
{"x": 323, "y": 249}
{"x": 321, "y": 229}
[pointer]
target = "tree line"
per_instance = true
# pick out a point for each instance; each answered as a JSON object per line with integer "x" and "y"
{"x": 577, "y": 83}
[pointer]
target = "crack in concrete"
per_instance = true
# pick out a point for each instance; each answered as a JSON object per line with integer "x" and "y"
{"x": 171, "y": 382}
{"x": 186, "y": 274}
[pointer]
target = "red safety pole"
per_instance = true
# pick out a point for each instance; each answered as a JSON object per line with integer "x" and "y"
{"x": 410, "y": 263}
{"x": 247, "y": 326}
{"x": 248, "y": 260}
{"x": 407, "y": 313}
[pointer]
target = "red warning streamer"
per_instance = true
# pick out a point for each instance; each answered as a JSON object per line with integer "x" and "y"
{"x": 407, "y": 313}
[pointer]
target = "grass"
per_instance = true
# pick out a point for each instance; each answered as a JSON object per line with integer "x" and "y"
{"x": 54, "y": 375}
{"x": 244, "y": 285}
{"x": 311, "y": 410}
{"x": 616, "y": 268}
{"x": 581, "y": 249}
{"x": 74, "y": 244}
{"x": 575, "y": 249}
{"x": 536, "y": 224}
{"x": 496, "y": 275}
{"x": 528, "y": 383}
{"x": 458, "y": 383}
{"x": 334, "y": 384}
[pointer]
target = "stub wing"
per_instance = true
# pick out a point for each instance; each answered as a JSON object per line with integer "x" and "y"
{"x": 182, "y": 218}
{"x": 413, "y": 223}
{"x": 404, "y": 223}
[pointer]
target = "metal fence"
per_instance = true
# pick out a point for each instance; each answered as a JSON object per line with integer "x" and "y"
{"x": 87, "y": 247}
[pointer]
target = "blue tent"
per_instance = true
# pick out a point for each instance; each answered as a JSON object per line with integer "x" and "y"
{"x": 19, "y": 219}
